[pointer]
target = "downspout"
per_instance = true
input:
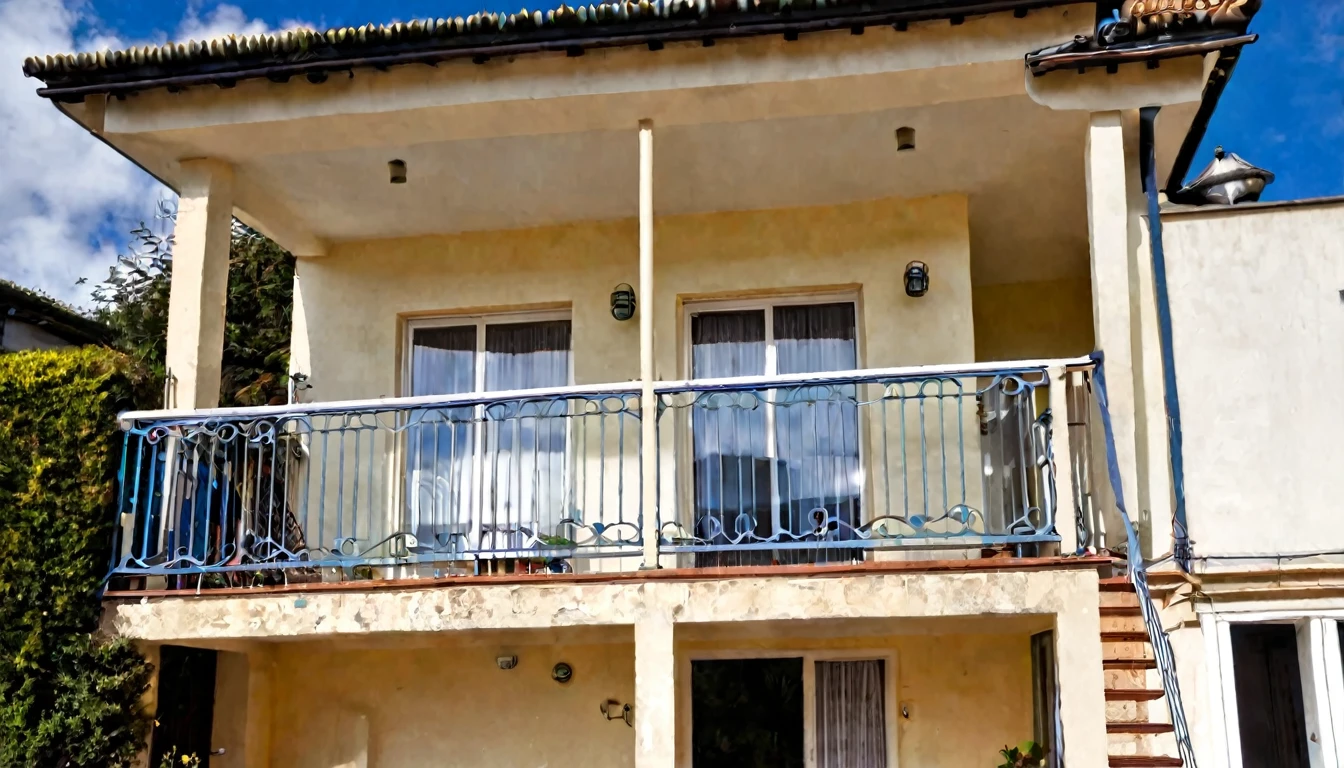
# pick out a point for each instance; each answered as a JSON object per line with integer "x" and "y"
{"x": 1181, "y": 548}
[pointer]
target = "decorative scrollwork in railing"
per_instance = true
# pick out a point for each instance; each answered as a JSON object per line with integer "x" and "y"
{"x": 848, "y": 462}
{"x": 537, "y": 477}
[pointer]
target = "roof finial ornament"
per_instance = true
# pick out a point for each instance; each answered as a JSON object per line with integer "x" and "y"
{"x": 1227, "y": 180}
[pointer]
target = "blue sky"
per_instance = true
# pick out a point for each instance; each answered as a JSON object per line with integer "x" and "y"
{"x": 67, "y": 202}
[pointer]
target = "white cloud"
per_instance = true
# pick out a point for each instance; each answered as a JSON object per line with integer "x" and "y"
{"x": 223, "y": 20}
{"x": 59, "y": 186}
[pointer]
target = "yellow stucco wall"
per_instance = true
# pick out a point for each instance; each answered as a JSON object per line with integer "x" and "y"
{"x": 450, "y": 705}
{"x": 1034, "y": 320}
{"x": 354, "y": 301}
{"x": 353, "y": 306}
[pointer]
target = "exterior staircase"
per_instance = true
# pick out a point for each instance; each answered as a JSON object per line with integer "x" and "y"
{"x": 1137, "y": 724}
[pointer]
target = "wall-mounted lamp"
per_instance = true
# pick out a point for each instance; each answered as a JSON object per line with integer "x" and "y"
{"x": 916, "y": 279}
{"x": 623, "y": 302}
{"x": 614, "y": 710}
{"x": 905, "y": 139}
{"x": 396, "y": 171}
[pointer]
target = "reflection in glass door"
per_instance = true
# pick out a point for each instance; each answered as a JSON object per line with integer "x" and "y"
{"x": 772, "y": 465}
{"x": 485, "y": 477}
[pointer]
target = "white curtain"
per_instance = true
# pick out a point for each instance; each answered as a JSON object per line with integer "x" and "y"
{"x": 443, "y": 362}
{"x": 525, "y": 442}
{"x": 817, "y": 428}
{"x": 738, "y": 486}
{"x": 511, "y": 475}
{"x": 851, "y": 714}
{"x": 732, "y": 473}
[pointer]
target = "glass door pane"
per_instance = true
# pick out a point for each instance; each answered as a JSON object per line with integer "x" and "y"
{"x": 525, "y": 451}
{"x": 733, "y": 500}
{"x": 441, "y": 444}
{"x": 817, "y": 428}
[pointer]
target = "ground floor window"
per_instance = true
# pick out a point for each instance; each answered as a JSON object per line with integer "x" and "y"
{"x": 754, "y": 712}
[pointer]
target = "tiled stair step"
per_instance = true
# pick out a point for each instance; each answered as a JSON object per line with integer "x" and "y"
{"x": 1134, "y": 694}
{"x": 1139, "y": 728}
{"x": 1145, "y": 761}
{"x": 1117, "y": 584}
{"x": 1129, "y": 664}
{"x": 1124, "y": 637}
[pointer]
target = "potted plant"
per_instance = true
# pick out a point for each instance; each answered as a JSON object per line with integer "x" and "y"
{"x": 1028, "y": 754}
{"x": 552, "y": 564}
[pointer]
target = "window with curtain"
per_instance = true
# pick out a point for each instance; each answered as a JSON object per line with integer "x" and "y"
{"x": 777, "y": 468}
{"x": 484, "y": 476}
{"x": 851, "y": 714}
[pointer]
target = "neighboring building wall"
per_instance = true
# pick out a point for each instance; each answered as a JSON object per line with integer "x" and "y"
{"x": 16, "y": 335}
{"x": 354, "y": 301}
{"x": 1259, "y": 329}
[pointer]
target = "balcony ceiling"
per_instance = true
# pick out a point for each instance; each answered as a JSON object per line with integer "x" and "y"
{"x": 1020, "y": 164}
{"x": 760, "y": 125}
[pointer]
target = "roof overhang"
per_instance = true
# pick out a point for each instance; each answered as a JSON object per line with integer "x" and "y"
{"x": 315, "y": 55}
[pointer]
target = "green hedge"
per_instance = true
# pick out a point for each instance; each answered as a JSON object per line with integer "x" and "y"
{"x": 68, "y": 697}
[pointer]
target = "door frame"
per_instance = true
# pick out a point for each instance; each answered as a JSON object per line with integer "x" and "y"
{"x": 684, "y": 441}
{"x": 1322, "y": 670}
{"x": 476, "y": 502}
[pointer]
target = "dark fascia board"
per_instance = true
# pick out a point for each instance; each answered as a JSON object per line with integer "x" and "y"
{"x": 73, "y": 85}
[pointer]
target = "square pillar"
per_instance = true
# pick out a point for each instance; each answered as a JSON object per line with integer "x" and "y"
{"x": 199, "y": 284}
{"x": 1108, "y": 219}
{"x": 655, "y": 693}
{"x": 1082, "y": 701}
{"x": 242, "y": 715}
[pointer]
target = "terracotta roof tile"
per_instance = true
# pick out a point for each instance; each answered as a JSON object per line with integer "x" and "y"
{"x": 235, "y": 54}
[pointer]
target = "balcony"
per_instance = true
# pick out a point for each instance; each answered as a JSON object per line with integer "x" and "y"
{"x": 791, "y": 469}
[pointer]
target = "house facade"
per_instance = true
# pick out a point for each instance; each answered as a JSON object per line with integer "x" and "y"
{"x": 705, "y": 383}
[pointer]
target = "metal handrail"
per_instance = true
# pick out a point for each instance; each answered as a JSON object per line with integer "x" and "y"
{"x": 1137, "y": 570}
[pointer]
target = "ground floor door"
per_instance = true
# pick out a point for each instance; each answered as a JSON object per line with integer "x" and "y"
{"x": 751, "y": 713}
{"x": 186, "y": 707}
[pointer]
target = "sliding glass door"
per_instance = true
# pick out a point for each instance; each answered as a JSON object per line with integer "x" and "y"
{"x": 487, "y": 477}
{"x": 775, "y": 464}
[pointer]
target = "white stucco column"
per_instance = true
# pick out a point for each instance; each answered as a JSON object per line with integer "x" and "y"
{"x": 200, "y": 283}
{"x": 1108, "y": 218}
{"x": 655, "y": 692}
{"x": 1082, "y": 698}
{"x": 647, "y": 400}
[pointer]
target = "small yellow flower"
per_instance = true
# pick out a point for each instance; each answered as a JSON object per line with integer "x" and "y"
{"x": 186, "y": 760}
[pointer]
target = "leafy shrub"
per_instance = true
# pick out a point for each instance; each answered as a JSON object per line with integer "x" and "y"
{"x": 68, "y": 697}
{"x": 133, "y": 301}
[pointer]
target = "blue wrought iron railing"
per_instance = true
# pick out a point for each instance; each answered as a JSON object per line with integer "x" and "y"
{"x": 1137, "y": 570}
{"x": 528, "y": 479}
{"x": 822, "y": 467}
{"x": 801, "y": 468}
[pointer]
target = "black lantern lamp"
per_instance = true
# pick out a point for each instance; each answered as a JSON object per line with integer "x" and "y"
{"x": 916, "y": 279}
{"x": 623, "y": 302}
